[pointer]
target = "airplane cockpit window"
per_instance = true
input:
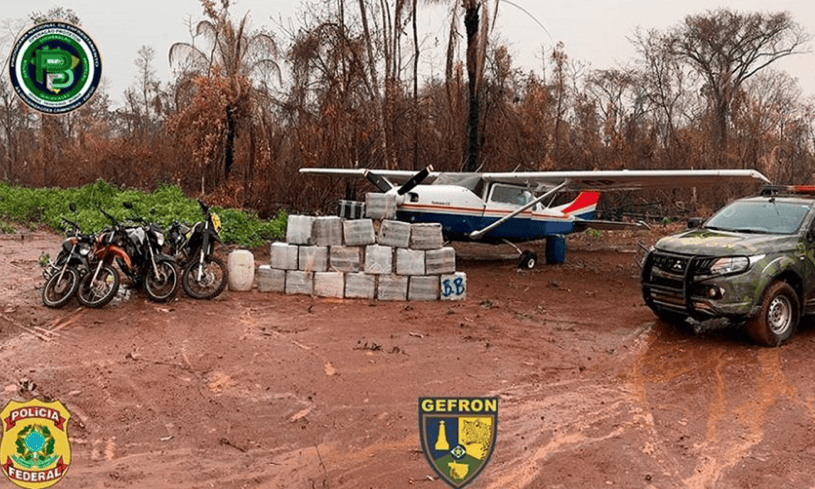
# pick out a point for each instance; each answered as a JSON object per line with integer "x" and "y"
{"x": 510, "y": 195}
{"x": 470, "y": 181}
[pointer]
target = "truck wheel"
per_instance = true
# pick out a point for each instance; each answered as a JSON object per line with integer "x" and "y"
{"x": 778, "y": 316}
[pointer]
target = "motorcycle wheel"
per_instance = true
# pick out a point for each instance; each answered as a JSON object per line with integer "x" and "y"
{"x": 98, "y": 293}
{"x": 213, "y": 281}
{"x": 163, "y": 287}
{"x": 56, "y": 293}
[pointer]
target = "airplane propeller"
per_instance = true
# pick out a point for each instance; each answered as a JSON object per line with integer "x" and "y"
{"x": 378, "y": 181}
{"x": 417, "y": 179}
{"x": 384, "y": 185}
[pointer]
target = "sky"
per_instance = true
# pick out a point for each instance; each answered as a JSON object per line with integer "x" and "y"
{"x": 594, "y": 32}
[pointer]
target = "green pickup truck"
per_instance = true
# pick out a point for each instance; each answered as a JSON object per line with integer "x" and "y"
{"x": 752, "y": 262}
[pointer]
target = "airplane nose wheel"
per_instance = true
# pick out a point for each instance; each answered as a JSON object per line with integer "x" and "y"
{"x": 528, "y": 260}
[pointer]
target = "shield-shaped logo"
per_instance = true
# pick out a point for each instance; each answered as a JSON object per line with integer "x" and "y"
{"x": 458, "y": 435}
{"x": 34, "y": 451}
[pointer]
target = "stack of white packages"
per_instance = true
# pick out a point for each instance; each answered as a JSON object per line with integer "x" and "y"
{"x": 373, "y": 258}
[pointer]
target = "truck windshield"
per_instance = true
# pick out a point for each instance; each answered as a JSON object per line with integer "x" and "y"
{"x": 768, "y": 216}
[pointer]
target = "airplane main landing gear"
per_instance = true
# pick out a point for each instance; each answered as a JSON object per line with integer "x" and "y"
{"x": 555, "y": 250}
{"x": 555, "y": 253}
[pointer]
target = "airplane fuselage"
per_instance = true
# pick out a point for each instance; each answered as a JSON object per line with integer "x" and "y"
{"x": 461, "y": 212}
{"x": 503, "y": 206}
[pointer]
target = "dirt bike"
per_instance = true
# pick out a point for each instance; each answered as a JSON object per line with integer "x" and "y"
{"x": 142, "y": 261}
{"x": 150, "y": 267}
{"x": 204, "y": 274}
{"x": 100, "y": 284}
{"x": 62, "y": 276}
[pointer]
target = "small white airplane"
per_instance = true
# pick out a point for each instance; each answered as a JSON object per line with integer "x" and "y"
{"x": 517, "y": 207}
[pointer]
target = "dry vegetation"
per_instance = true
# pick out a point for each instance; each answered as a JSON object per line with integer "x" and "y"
{"x": 243, "y": 114}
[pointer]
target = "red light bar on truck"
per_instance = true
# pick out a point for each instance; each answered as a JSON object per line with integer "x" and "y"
{"x": 788, "y": 189}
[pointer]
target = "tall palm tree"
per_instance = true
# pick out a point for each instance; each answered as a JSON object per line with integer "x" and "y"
{"x": 477, "y": 26}
{"x": 234, "y": 54}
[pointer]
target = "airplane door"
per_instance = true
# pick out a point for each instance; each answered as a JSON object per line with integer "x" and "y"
{"x": 504, "y": 199}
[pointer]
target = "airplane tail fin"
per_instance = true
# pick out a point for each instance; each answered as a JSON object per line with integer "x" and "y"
{"x": 583, "y": 206}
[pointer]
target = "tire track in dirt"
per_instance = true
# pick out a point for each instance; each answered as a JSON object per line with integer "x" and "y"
{"x": 540, "y": 423}
{"x": 552, "y": 422}
{"x": 742, "y": 384}
{"x": 721, "y": 450}
{"x": 581, "y": 414}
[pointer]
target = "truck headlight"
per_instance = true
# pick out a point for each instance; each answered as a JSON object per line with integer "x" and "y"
{"x": 730, "y": 264}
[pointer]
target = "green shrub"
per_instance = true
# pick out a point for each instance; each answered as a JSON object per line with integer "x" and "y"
{"x": 594, "y": 233}
{"x": 246, "y": 228}
{"x": 167, "y": 203}
{"x": 7, "y": 227}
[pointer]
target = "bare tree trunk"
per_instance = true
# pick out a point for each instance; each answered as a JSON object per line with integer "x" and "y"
{"x": 46, "y": 133}
{"x": 249, "y": 195}
{"x": 374, "y": 82}
{"x": 389, "y": 29}
{"x": 415, "y": 91}
{"x": 720, "y": 132}
{"x": 471, "y": 25}
{"x": 229, "y": 143}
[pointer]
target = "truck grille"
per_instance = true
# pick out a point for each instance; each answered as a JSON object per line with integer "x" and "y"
{"x": 671, "y": 263}
{"x": 664, "y": 279}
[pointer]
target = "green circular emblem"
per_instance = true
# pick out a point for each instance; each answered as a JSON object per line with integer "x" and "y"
{"x": 35, "y": 447}
{"x": 55, "y": 67}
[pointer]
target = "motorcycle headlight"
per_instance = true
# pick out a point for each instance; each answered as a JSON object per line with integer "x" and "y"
{"x": 216, "y": 223}
{"x": 84, "y": 251}
{"x": 729, "y": 264}
{"x": 160, "y": 239}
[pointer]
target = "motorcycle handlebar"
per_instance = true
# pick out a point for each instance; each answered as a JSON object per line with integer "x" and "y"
{"x": 72, "y": 223}
{"x": 112, "y": 219}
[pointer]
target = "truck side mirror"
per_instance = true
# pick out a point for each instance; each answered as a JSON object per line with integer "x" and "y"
{"x": 695, "y": 222}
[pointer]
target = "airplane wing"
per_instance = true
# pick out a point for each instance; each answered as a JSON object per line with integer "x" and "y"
{"x": 579, "y": 180}
{"x": 601, "y": 225}
{"x": 395, "y": 176}
{"x": 629, "y": 179}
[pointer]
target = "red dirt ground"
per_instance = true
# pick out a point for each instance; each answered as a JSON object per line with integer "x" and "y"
{"x": 258, "y": 390}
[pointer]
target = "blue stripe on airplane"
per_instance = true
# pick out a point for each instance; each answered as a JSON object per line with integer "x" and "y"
{"x": 459, "y": 226}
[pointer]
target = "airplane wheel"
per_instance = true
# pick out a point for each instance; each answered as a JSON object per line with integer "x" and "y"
{"x": 528, "y": 260}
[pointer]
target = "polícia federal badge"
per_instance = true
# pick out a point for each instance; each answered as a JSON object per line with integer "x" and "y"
{"x": 458, "y": 435}
{"x": 34, "y": 450}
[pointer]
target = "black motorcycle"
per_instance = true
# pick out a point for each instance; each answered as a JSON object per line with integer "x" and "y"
{"x": 137, "y": 251}
{"x": 151, "y": 268}
{"x": 62, "y": 276}
{"x": 204, "y": 274}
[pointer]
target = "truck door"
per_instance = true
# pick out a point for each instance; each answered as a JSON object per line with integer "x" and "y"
{"x": 807, "y": 259}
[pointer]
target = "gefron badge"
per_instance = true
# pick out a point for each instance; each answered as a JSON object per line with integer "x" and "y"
{"x": 458, "y": 435}
{"x": 34, "y": 450}
{"x": 55, "y": 67}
